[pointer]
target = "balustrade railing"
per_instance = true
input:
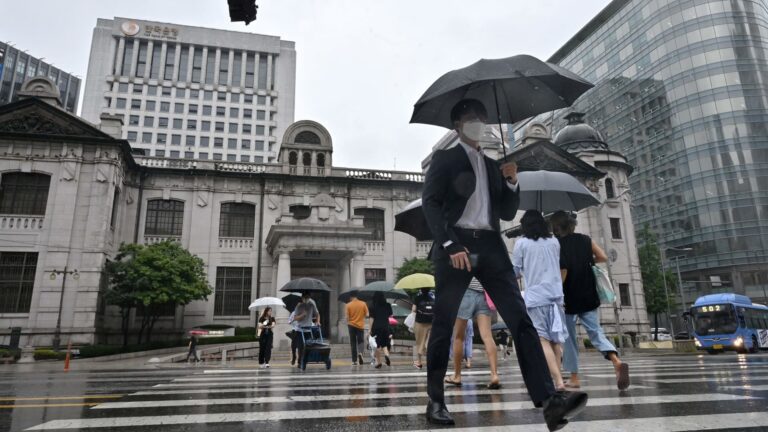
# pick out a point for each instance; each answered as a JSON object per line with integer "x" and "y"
{"x": 21, "y": 223}
{"x": 235, "y": 243}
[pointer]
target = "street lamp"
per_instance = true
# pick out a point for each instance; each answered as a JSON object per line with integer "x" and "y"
{"x": 75, "y": 276}
{"x": 666, "y": 293}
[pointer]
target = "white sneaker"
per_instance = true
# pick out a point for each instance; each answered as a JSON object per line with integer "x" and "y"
{"x": 267, "y": 366}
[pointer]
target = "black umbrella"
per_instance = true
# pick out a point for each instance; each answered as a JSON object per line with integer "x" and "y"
{"x": 291, "y": 300}
{"x": 411, "y": 220}
{"x": 305, "y": 285}
{"x": 550, "y": 191}
{"x": 346, "y": 297}
{"x": 512, "y": 89}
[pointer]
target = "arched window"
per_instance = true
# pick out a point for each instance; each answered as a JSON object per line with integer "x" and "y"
{"x": 374, "y": 219}
{"x": 164, "y": 217}
{"x": 307, "y": 137}
{"x": 321, "y": 160}
{"x": 300, "y": 212}
{"x": 24, "y": 193}
{"x": 306, "y": 159}
{"x": 293, "y": 158}
{"x": 609, "y": 191}
{"x": 237, "y": 220}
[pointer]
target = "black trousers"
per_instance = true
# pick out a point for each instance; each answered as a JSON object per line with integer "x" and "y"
{"x": 356, "y": 341}
{"x": 295, "y": 341}
{"x": 192, "y": 353}
{"x": 265, "y": 346}
{"x": 495, "y": 272}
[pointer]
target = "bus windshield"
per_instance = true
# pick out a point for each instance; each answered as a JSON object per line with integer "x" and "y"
{"x": 715, "y": 319}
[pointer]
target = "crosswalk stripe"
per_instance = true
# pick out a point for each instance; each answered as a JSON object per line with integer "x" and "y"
{"x": 749, "y": 387}
{"x": 313, "y": 398}
{"x": 360, "y": 375}
{"x": 682, "y": 373}
{"x": 325, "y": 387}
{"x": 704, "y": 380}
{"x": 649, "y": 424}
{"x": 114, "y": 422}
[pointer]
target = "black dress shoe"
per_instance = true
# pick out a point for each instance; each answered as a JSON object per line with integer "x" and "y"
{"x": 438, "y": 414}
{"x": 561, "y": 407}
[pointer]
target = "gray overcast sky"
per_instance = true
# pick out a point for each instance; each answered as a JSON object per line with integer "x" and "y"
{"x": 361, "y": 63}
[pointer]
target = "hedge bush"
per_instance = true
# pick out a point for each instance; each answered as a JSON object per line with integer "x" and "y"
{"x": 588, "y": 343}
{"x": 245, "y": 331}
{"x": 7, "y": 352}
{"x": 49, "y": 354}
{"x": 104, "y": 350}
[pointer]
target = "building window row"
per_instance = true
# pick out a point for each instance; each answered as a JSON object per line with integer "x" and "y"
{"x": 194, "y": 140}
{"x": 187, "y": 94}
{"x": 177, "y": 154}
{"x": 246, "y": 71}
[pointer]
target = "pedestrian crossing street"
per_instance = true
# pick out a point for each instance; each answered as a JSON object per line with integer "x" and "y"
{"x": 682, "y": 393}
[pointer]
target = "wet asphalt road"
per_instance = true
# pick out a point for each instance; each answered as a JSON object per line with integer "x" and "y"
{"x": 669, "y": 393}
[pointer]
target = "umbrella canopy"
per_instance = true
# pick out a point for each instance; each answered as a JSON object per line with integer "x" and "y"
{"x": 266, "y": 302}
{"x": 512, "y": 89}
{"x": 411, "y": 221}
{"x": 499, "y": 326}
{"x": 549, "y": 191}
{"x": 416, "y": 281}
{"x": 305, "y": 285}
{"x": 291, "y": 300}
{"x": 346, "y": 297}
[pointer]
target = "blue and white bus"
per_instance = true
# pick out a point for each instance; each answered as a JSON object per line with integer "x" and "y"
{"x": 729, "y": 322}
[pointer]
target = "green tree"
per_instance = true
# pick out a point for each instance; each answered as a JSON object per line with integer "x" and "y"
{"x": 656, "y": 300}
{"x": 150, "y": 278}
{"x": 414, "y": 265}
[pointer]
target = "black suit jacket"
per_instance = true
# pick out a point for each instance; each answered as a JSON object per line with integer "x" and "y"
{"x": 449, "y": 183}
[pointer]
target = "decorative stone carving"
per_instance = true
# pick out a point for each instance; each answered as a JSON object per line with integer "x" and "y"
{"x": 34, "y": 123}
{"x": 202, "y": 198}
{"x": 68, "y": 170}
{"x": 100, "y": 176}
{"x": 271, "y": 204}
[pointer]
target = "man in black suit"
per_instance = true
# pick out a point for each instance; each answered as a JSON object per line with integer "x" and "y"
{"x": 465, "y": 195}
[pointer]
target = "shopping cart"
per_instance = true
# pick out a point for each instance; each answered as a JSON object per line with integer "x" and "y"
{"x": 315, "y": 348}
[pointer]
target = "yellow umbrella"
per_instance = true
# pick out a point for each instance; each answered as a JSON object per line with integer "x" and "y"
{"x": 416, "y": 281}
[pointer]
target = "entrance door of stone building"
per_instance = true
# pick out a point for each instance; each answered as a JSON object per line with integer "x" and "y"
{"x": 326, "y": 270}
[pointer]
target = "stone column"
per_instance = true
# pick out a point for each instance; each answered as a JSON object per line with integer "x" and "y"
{"x": 281, "y": 341}
{"x": 358, "y": 270}
{"x": 344, "y": 286}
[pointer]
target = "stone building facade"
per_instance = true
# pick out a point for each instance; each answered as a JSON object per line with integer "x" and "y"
{"x": 73, "y": 192}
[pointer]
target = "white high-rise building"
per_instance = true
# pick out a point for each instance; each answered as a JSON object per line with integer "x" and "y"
{"x": 192, "y": 92}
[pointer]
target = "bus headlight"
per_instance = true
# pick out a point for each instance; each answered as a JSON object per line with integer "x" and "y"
{"x": 697, "y": 343}
{"x": 738, "y": 342}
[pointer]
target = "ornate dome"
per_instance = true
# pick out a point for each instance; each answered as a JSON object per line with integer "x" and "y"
{"x": 577, "y": 135}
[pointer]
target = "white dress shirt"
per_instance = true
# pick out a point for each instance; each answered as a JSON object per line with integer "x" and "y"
{"x": 477, "y": 213}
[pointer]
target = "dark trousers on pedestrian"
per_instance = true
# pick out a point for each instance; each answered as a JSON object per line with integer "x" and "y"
{"x": 265, "y": 346}
{"x": 193, "y": 353}
{"x": 295, "y": 339}
{"x": 495, "y": 272}
{"x": 356, "y": 341}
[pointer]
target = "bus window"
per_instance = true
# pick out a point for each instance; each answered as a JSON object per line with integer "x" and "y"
{"x": 715, "y": 319}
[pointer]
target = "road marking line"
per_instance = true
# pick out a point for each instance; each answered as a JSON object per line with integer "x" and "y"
{"x": 48, "y": 405}
{"x": 340, "y": 387}
{"x": 116, "y": 396}
{"x": 711, "y": 380}
{"x": 649, "y": 424}
{"x": 316, "y": 398}
{"x": 212, "y": 418}
{"x": 745, "y": 372}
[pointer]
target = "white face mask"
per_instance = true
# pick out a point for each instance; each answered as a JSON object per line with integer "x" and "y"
{"x": 473, "y": 129}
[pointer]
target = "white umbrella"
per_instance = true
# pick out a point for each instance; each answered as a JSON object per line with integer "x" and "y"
{"x": 264, "y": 302}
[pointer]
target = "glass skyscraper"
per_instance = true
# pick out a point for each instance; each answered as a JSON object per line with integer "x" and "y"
{"x": 17, "y": 66}
{"x": 681, "y": 90}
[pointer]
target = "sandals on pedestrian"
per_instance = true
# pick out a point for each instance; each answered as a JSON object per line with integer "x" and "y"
{"x": 622, "y": 376}
{"x": 452, "y": 382}
{"x": 386, "y": 360}
{"x": 494, "y": 386}
{"x": 378, "y": 366}
{"x": 568, "y": 385}
{"x": 417, "y": 365}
